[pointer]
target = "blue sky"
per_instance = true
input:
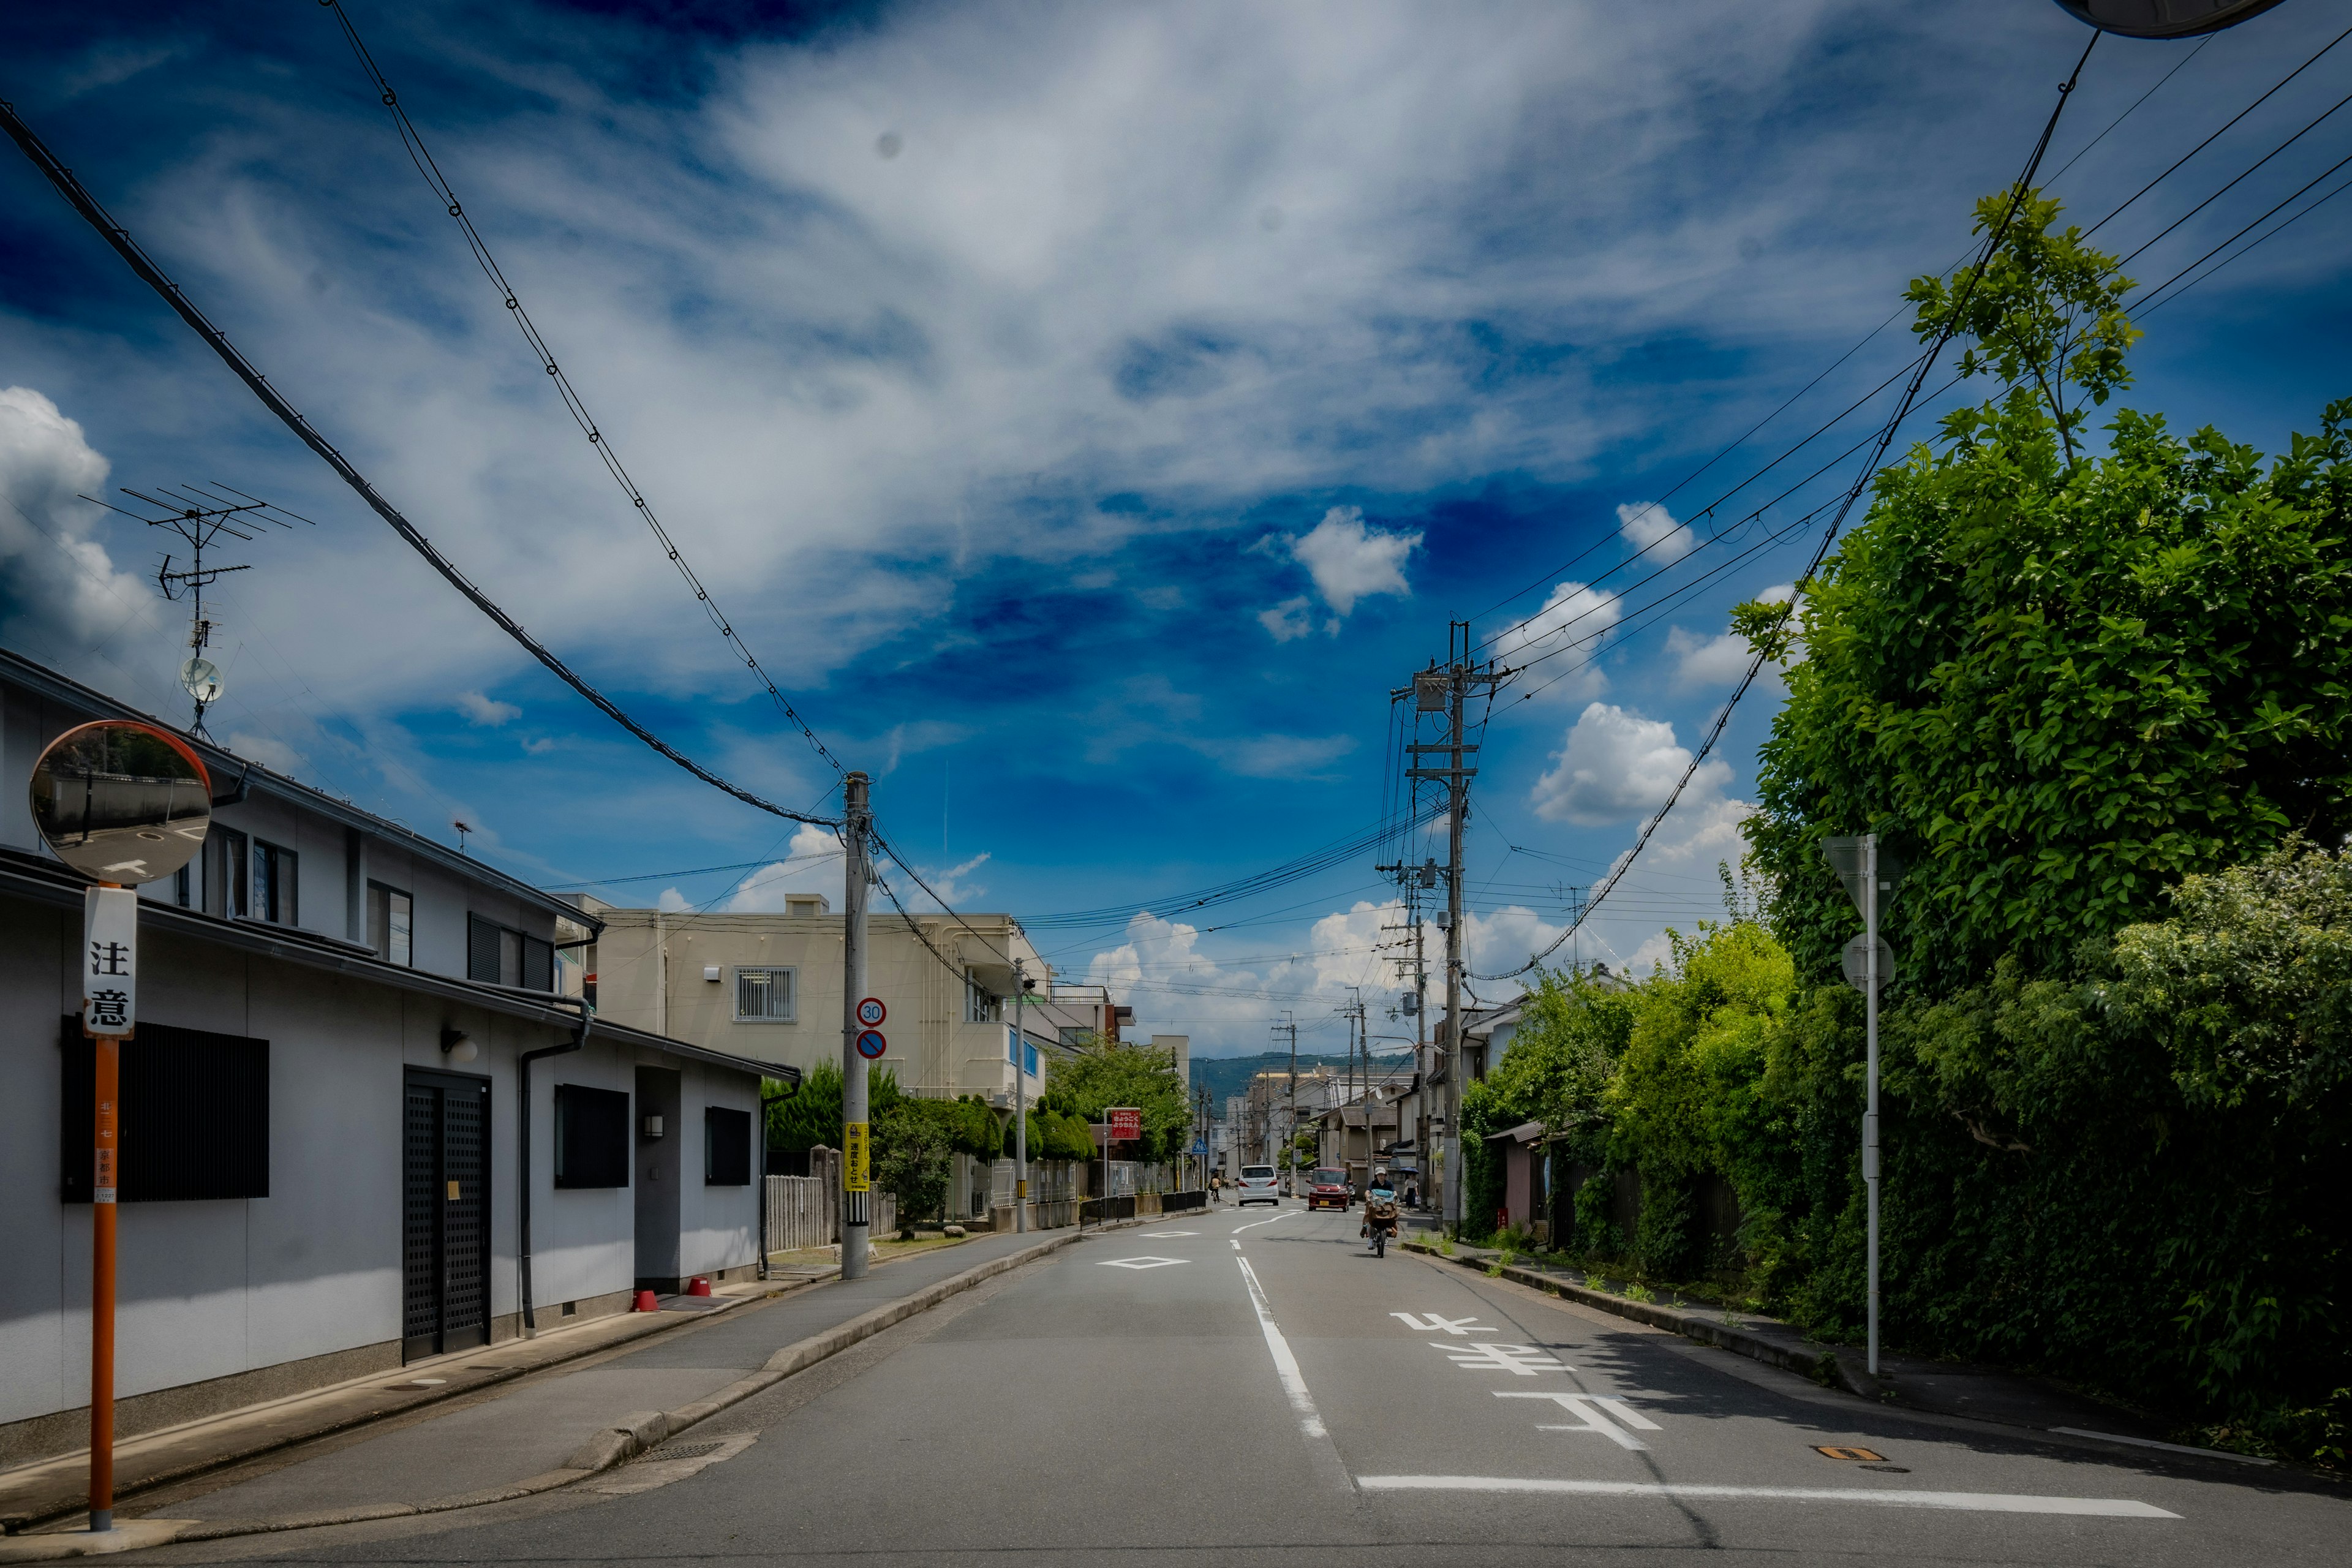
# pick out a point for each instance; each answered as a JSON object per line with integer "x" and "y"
{"x": 1088, "y": 413}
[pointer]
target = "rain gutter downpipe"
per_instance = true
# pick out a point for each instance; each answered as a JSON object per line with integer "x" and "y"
{"x": 522, "y": 1153}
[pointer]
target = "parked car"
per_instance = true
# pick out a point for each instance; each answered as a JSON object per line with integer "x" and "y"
{"x": 1259, "y": 1184}
{"x": 1327, "y": 1189}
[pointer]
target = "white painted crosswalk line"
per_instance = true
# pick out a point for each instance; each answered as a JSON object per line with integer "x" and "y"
{"x": 1433, "y": 1324}
{"x": 1684, "y": 1492}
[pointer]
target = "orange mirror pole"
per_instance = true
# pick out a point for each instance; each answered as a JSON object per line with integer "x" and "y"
{"x": 109, "y": 1064}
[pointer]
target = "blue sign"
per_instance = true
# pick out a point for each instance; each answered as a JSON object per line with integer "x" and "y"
{"x": 871, "y": 1044}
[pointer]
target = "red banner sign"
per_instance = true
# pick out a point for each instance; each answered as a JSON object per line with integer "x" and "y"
{"x": 1125, "y": 1125}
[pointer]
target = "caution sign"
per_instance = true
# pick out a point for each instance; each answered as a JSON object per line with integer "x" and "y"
{"x": 854, "y": 1168}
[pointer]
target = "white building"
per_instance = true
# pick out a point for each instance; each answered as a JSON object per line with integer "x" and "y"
{"x": 321, "y": 1115}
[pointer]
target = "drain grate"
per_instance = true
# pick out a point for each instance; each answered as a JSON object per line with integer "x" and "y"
{"x": 680, "y": 1451}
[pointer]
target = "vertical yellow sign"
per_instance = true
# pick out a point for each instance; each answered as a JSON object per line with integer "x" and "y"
{"x": 854, "y": 1168}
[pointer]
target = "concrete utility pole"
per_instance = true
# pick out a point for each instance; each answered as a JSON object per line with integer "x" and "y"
{"x": 1290, "y": 1134}
{"x": 857, "y": 1179}
{"x": 1020, "y": 1103}
{"x": 1870, "y": 1109}
{"x": 1446, "y": 692}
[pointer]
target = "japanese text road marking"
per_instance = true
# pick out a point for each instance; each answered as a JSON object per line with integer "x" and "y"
{"x": 1520, "y": 1361}
{"x": 1580, "y": 1406}
{"x": 1433, "y": 1324}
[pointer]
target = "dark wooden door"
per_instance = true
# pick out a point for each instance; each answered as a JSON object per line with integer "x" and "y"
{"x": 445, "y": 1214}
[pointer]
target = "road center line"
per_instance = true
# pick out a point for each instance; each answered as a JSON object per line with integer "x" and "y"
{"x": 1256, "y": 1223}
{"x": 1286, "y": 1365}
{"x": 1966, "y": 1502}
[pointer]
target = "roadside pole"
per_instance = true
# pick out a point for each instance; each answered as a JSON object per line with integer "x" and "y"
{"x": 110, "y": 992}
{"x": 856, "y": 1151}
{"x": 1870, "y": 1109}
{"x": 1019, "y": 1104}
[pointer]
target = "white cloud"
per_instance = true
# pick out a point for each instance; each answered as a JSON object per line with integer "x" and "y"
{"x": 487, "y": 711}
{"x": 1289, "y": 620}
{"x": 1702, "y": 660}
{"x": 1349, "y": 562}
{"x": 271, "y": 753}
{"x": 1161, "y": 970}
{"x": 1613, "y": 766}
{"x": 1566, "y": 634}
{"x": 55, "y": 582}
{"x": 812, "y": 863}
{"x": 1653, "y": 528}
{"x": 1276, "y": 756}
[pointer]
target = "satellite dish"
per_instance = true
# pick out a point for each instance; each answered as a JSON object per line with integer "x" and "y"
{"x": 201, "y": 679}
{"x": 121, "y": 802}
{"x": 2163, "y": 18}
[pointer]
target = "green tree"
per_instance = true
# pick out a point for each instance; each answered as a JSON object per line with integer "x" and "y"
{"x": 1104, "y": 1073}
{"x": 912, "y": 1140}
{"x": 2059, "y": 685}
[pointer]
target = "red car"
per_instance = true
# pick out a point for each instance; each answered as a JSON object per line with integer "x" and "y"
{"x": 1327, "y": 1189}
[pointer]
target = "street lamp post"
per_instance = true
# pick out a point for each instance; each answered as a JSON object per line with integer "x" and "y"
{"x": 1870, "y": 872}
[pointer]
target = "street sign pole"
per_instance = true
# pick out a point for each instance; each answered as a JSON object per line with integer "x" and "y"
{"x": 1870, "y": 1110}
{"x": 855, "y": 1148}
{"x": 110, "y": 1013}
{"x": 121, "y": 803}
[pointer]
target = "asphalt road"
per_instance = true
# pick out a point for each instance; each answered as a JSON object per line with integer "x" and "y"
{"x": 1239, "y": 1388}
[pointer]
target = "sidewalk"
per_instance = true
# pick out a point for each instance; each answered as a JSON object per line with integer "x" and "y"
{"x": 1943, "y": 1388}
{"x": 541, "y": 1432}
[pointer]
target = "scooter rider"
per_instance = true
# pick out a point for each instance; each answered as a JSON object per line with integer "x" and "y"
{"x": 1380, "y": 1211}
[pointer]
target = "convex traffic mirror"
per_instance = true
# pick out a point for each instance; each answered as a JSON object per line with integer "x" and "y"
{"x": 121, "y": 801}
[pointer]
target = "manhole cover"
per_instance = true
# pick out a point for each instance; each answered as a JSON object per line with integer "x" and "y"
{"x": 680, "y": 1451}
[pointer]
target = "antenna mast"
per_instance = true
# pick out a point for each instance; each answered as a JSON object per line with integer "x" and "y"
{"x": 200, "y": 516}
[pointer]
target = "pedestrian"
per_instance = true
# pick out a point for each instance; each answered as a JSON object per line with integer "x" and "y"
{"x": 1412, "y": 1196}
{"x": 1216, "y": 1186}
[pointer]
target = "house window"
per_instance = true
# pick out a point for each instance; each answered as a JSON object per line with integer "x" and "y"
{"x": 224, "y": 866}
{"x": 274, "y": 884}
{"x": 979, "y": 1006}
{"x": 500, "y": 955}
{"x": 591, "y": 1137}
{"x": 196, "y": 1102}
{"x": 726, "y": 1147}
{"x": 391, "y": 924}
{"x": 765, "y": 995}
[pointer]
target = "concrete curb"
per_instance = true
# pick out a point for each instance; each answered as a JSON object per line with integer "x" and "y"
{"x": 609, "y": 1446}
{"x": 1824, "y": 1367}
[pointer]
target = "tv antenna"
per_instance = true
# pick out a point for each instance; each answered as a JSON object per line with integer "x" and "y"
{"x": 200, "y": 515}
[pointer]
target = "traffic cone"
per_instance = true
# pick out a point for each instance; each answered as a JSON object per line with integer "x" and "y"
{"x": 646, "y": 1302}
{"x": 700, "y": 1287}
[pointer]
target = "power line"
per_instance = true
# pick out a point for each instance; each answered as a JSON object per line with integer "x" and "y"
{"x": 119, "y": 237}
{"x": 413, "y": 141}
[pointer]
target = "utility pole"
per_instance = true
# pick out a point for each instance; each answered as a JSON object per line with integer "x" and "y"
{"x": 1290, "y": 1134}
{"x": 1020, "y": 1103}
{"x": 857, "y": 1179}
{"x": 1445, "y": 691}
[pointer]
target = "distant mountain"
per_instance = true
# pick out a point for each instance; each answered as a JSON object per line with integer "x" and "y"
{"x": 1224, "y": 1075}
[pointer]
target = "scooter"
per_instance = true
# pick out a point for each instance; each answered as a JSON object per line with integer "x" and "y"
{"x": 1380, "y": 1222}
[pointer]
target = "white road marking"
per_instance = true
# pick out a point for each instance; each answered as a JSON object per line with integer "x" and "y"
{"x": 1625, "y": 1413}
{"x": 1967, "y": 1503}
{"x": 1256, "y": 1223}
{"x": 1435, "y": 1324}
{"x": 1286, "y": 1365}
{"x": 1580, "y": 1406}
{"x": 1520, "y": 1361}
{"x": 1137, "y": 1262}
{"x": 1158, "y": 1235}
{"x": 1237, "y": 1246}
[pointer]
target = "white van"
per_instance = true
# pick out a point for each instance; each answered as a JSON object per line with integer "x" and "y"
{"x": 1258, "y": 1185}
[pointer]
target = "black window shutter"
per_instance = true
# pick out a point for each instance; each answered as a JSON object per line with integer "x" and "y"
{"x": 481, "y": 950}
{"x": 591, "y": 1137}
{"x": 726, "y": 1147}
{"x": 195, "y": 1116}
{"x": 538, "y": 964}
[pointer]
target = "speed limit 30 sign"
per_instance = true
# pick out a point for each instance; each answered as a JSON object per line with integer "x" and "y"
{"x": 871, "y": 1013}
